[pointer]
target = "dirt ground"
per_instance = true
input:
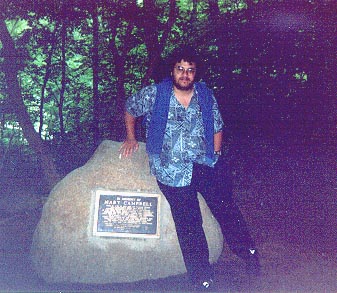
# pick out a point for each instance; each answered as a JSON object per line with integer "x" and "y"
{"x": 287, "y": 191}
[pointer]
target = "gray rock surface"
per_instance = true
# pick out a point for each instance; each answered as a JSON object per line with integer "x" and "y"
{"x": 64, "y": 248}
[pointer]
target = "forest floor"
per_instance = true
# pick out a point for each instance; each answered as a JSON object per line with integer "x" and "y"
{"x": 286, "y": 188}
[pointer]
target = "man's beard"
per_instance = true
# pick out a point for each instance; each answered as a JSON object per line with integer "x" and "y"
{"x": 180, "y": 87}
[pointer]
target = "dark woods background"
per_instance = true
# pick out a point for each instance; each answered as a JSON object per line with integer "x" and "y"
{"x": 66, "y": 68}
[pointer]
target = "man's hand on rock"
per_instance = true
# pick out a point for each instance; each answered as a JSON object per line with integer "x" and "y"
{"x": 128, "y": 147}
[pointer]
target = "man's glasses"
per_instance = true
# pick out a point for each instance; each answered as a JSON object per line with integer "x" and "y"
{"x": 182, "y": 70}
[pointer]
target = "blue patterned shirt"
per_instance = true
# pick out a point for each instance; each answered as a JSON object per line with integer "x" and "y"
{"x": 184, "y": 139}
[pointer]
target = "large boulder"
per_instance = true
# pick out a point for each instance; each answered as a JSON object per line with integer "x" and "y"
{"x": 64, "y": 248}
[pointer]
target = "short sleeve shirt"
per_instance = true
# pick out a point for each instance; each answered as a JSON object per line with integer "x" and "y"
{"x": 184, "y": 138}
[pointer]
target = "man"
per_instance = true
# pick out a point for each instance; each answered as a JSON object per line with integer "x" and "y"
{"x": 184, "y": 137}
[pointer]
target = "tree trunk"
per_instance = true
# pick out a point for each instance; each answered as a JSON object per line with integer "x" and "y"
{"x": 45, "y": 80}
{"x": 95, "y": 70}
{"x": 151, "y": 36}
{"x": 150, "y": 24}
{"x": 10, "y": 69}
{"x": 118, "y": 130}
{"x": 63, "y": 77}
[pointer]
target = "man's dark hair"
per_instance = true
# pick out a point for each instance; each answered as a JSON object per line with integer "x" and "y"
{"x": 186, "y": 53}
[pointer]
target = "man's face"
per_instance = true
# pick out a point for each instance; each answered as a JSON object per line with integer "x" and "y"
{"x": 183, "y": 75}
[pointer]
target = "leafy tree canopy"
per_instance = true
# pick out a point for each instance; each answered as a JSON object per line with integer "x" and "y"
{"x": 77, "y": 61}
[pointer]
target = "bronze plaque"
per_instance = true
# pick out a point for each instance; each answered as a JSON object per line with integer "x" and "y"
{"x": 126, "y": 214}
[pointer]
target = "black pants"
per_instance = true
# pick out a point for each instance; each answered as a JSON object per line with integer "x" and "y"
{"x": 215, "y": 185}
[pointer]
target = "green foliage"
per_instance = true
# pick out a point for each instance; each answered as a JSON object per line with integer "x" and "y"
{"x": 248, "y": 48}
{"x": 302, "y": 76}
{"x": 17, "y": 27}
